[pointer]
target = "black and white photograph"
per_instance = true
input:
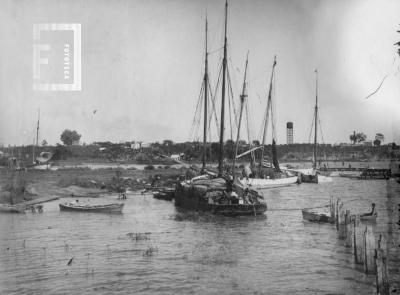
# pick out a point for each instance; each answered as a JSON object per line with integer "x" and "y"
{"x": 200, "y": 147}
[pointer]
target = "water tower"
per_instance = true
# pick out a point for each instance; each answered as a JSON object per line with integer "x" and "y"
{"x": 289, "y": 132}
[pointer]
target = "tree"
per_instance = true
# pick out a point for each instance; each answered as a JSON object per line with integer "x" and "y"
{"x": 377, "y": 142}
{"x": 60, "y": 153}
{"x": 380, "y": 137}
{"x": 68, "y": 136}
{"x": 229, "y": 148}
{"x": 256, "y": 142}
{"x": 44, "y": 142}
{"x": 357, "y": 137}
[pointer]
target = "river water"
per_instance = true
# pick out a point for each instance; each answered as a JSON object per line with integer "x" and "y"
{"x": 181, "y": 252}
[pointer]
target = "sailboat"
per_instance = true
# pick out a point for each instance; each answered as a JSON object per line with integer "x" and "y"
{"x": 258, "y": 179}
{"x": 40, "y": 162}
{"x": 313, "y": 175}
{"x": 220, "y": 194}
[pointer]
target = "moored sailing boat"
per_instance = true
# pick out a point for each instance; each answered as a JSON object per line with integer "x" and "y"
{"x": 40, "y": 162}
{"x": 268, "y": 177}
{"x": 221, "y": 194}
{"x": 313, "y": 175}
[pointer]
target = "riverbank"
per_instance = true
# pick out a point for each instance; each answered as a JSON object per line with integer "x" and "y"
{"x": 32, "y": 186}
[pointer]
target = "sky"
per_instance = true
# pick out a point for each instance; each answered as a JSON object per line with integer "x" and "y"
{"x": 142, "y": 64}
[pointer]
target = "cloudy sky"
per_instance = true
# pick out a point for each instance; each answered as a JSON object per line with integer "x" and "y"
{"x": 142, "y": 66}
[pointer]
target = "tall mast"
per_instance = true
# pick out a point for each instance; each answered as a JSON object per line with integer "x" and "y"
{"x": 242, "y": 100}
{"x": 267, "y": 115}
{"x": 205, "y": 103}
{"x": 315, "y": 120}
{"x": 37, "y": 129}
{"x": 35, "y": 144}
{"x": 221, "y": 136}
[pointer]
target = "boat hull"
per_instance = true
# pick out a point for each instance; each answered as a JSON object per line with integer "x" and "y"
{"x": 111, "y": 208}
{"x": 315, "y": 178}
{"x": 316, "y": 217}
{"x": 163, "y": 196}
{"x": 352, "y": 176}
{"x": 10, "y": 209}
{"x": 369, "y": 217}
{"x": 193, "y": 197}
{"x": 260, "y": 183}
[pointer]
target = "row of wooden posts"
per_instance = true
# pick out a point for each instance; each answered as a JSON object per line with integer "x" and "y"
{"x": 367, "y": 250}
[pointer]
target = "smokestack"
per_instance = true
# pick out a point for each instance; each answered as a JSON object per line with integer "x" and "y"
{"x": 289, "y": 132}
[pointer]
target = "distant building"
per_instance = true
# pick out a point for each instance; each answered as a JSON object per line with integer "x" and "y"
{"x": 136, "y": 145}
{"x": 368, "y": 143}
{"x": 289, "y": 132}
{"x": 176, "y": 157}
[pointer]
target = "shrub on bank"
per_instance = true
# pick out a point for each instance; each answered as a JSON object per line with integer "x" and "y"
{"x": 149, "y": 167}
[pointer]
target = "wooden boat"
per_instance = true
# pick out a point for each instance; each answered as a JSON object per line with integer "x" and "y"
{"x": 5, "y": 208}
{"x": 314, "y": 175}
{"x": 166, "y": 194}
{"x": 352, "y": 176}
{"x": 369, "y": 217}
{"x": 108, "y": 208}
{"x": 211, "y": 195}
{"x": 277, "y": 177}
{"x": 218, "y": 194}
{"x": 260, "y": 183}
{"x": 315, "y": 216}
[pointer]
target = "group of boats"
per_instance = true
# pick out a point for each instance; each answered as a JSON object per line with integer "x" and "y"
{"x": 225, "y": 191}
{"x": 323, "y": 216}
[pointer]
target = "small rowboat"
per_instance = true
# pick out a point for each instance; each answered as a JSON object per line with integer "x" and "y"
{"x": 11, "y": 209}
{"x": 314, "y": 216}
{"x": 108, "y": 208}
{"x": 369, "y": 217}
{"x": 351, "y": 176}
{"x": 166, "y": 194}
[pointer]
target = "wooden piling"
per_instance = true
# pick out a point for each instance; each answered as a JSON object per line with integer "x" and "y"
{"x": 358, "y": 243}
{"x": 382, "y": 282}
{"x": 332, "y": 210}
{"x": 369, "y": 253}
{"x": 348, "y": 229}
{"x": 337, "y": 214}
{"x": 342, "y": 222}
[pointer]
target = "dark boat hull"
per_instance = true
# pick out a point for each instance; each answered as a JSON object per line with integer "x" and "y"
{"x": 309, "y": 178}
{"x": 163, "y": 196}
{"x": 111, "y": 208}
{"x": 316, "y": 217}
{"x": 191, "y": 197}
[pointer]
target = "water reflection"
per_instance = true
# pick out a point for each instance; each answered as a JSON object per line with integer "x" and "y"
{"x": 154, "y": 247}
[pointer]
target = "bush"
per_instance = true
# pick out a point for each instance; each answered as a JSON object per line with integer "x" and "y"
{"x": 61, "y": 153}
{"x": 149, "y": 167}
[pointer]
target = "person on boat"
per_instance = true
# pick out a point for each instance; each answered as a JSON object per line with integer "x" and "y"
{"x": 231, "y": 195}
{"x": 246, "y": 196}
{"x": 76, "y": 203}
{"x": 370, "y": 213}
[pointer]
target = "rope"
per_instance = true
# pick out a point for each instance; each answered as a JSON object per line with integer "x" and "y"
{"x": 320, "y": 128}
{"x": 214, "y": 112}
{"x": 199, "y": 100}
{"x": 295, "y": 209}
{"x": 233, "y": 101}
{"x": 311, "y": 129}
